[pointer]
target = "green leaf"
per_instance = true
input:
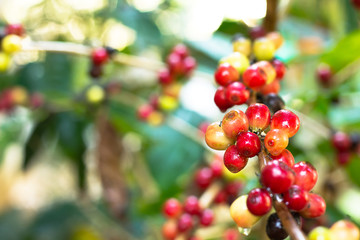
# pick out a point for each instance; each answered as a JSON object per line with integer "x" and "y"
{"x": 352, "y": 170}
{"x": 344, "y": 117}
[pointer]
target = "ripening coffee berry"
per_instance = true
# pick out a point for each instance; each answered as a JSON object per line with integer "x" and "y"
{"x": 259, "y": 201}
{"x": 189, "y": 65}
{"x": 276, "y": 141}
{"x": 191, "y": 205}
{"x": 280, "y": 68}
{"x": 181, "y": 50}
{"x": 4, "y": 62}
{"x": 296, "y": 198}
{"x": 216, "y": 168}
{"x": 258, "y": 116}
{"x": 231, "y": 234}
{"x": 264, "y": 49}
{"x": 220, "y": 99}
{"x": 11, "y": 43}
{"x": 175, "y": 64}
{"x": 271, "y": 88}
{"x": 236, "y": 93}
{"x": 215, "y": 137}
{"x": 238, "y": 60}
{"x": 305, "y": 175}
{"x": 257, "y": 32}
{"x": 15, "y": 28}
{"x": 234, "y": 122}
{"x": 268, "y": 69}
{"x": 169, "y": 230}
{"x": 242, "y": 45}
{"x": 207, "y": 217}
{"x": 248, "y": 144}
{"x": 144, "y": 111}
{"x": 343, "y": 158}
{"x": 226, "y": 74}
{"x": 286, "y": 157}
{"x": 344, "y": 229}
{"x": 321, "y": 233}
{"x": 204, "y": 177}
{"x": 99, "y": 56}
{"x": 172, "y": 208}
{"x": 95, "y": 94}
{"x": 341, "y": 141}
{"x": 254, "y": 77}
{"x": 240, "y": 213}
{"x": 233, "y": 161}
{"x": 324, "y": 75}
{"x": 185, "y": 222}
{"x": 315, "y": 207}
{"x": 165, "y": 77}
{"x": 287, "y": 121}
{"x": 277, "y": 176}
{"x": 275, "y": 38}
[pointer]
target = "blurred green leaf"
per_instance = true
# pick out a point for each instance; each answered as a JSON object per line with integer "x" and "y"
{"x": 352, "y": 170}
{"x": 344, "y": 117}
{"x": 9, "y": 221}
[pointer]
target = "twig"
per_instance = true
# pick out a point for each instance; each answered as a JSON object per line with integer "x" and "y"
{"x": 270, "y": 20}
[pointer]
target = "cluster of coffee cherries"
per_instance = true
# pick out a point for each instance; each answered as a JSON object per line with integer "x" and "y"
{"x": 179, "y": 67}
{"x": 342, "y": 229}
{"x": 10, "y": 42}
{"x": 237, "y": 77}
{"x": 345, "y": 145}
{"x": 95, "y": 93}
{"x": 184, "y": 218}
{"x": 18, "y": 96}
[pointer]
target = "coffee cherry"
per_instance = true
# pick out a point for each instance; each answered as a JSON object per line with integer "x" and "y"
{"x": 191, "y": 205}
{"x": 168, "y": 103}
{"x": 226, "y": 74}
{"x": 216, "y": 168}
{"x": 296, "y": 198}
{"x": 273, "y": 87}
{"x": 4, "y": 62}
{"x": 96, "y": 71}
{"x": 238, "y": 60}
{"x": 165, "y": 77}
{"x": 306, "y": 175}
{"x": 276, "y": 141}
{"x": 248, "y": 144}
{"x": 99, "y": 56}
{"x": 259, "y": 201}
{"x": 234, "y": 122}
{"x": 277, "y": 176}
{"x": 254, "y": 77}
{"x": 233, "y": 188}
{"x": 189, "y": 65}
{"x": 231, "y": 234}
{"x": 185, "y": 222}
{"x": 95, "y": 94}
{"x": 144, "y": 111}
{"x": 320, "y": 233}
{"x": 324, "y": 75}
{"x": 264, "y": 49}
{"x": 233, "y": 161}
{"x": 11, "y": 43}
{"x": 174, "y": 63}
{"x": 236, "y": 93}
{"x": 268, "y": 69}
{"x": 343, "y": 158}
{"x": 280, "y": 68}
{"x": 207, "y": 217}
{"x": 172, "y": 89}
{"x": 257, "y": 32}
{"x": 169, "y": 230}
{"x": 18, "y": 95}
{"x": 274, "y": 102}
{"x": 181, "y": 50}
{"x": 172, "y": 208}
{"x": 204, "y": 177}
{"x": 286, "y": 157}
{"x": 220, "y": 100}
{"x": 287, "y": 121}
{"x": 15, "y": 29}
{"x": 242, "y": 45}
{"x": 155, "y": 118}
{"x": 315, "y": 208}
{"x": 275, "y": 229}
{"x": 275, "y": 38}
{"x": 221, "y": 197}
{"x": 240, "y": 213}
{"x": 341, "y": 141}
{"x": 215, "y": 137}
{"x": 259, "y": 117}
{"x": 344, "y": 229}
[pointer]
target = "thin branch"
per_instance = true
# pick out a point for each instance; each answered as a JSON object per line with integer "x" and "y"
{"x": 270, "y": 20}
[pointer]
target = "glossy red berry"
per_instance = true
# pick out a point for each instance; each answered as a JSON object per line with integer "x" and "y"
{"x": 226, "y": 74}
{"x": 233, "y": 161}
{"x": 248, "y": 144}
{"x": 191, "y": 205}
{"x": 175, "y": 64}
{"x": 234, "y": 122}
{"x": 276, "y": 141}
{"x": 172, "y": 208}
{"x": 315, "y": 208}
{"x": 277, "y": 176}
{"x": 15, "y": 28}
{"x": 287, "y": 121}
{"x": 165, "y": 77}
{"x": 286, "y": 157}
{"x": 343, "y": 158}
{"x": 254, "y": 77}
{"x": 207, "y": 217}
{"x": 306, "y": 175}
{"x": 341, "y": 141}
{"x": 259, "y": 201}
{"x": 99, "y": 56}
{"x": 169, "y": 230}
{"x": 181, "y": 50}
{"x": 279, "y": 68}
{"x": 185, "y": 222}
{"x": 236, "y": 93}
{"x": 204, "y": 177}
{"x": 220, "y": 99}
{"x": 296, "y": 198}
{"x": 189, "y": 65}
{"x": 259, "y": 117}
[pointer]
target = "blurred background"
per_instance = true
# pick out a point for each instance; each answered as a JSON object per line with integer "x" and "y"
{"x": 53, "y": 185}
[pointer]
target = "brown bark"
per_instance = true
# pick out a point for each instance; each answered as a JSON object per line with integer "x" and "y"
{"x": 270, "y": 20}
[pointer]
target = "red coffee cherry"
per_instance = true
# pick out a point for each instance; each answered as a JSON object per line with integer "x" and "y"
{"x": 189, "y": 65}
{"x": 236, "y": 93}
{"x": 233, "y": 161}
{"x": 305, "y": 175}
{"x": 315, "y": 208}
{"x": 254, "y": 77}
{"x": 191, "y": 205}
{"x": 279, "y": 68}
{"x": 165, "y": 77}
{"x": 276, "y": 141}
{"x": 287, "y": 121}
{"x": 181, "y": 50}
{"x": 15, "y": 28}
{"x": 226, "y": 74}
{"x": 185, "y": 222}
{"x": 343, "y": 158}
{"x": 277, "y": 176}
{"x": 271, "y": 88}
{"x": 259, "y": 201}
{"x": 286, "y": 157}
{"x": 204, "y": 177}
{"x": 220, "y": 100}
{"x": 234, "y": 122}
{"x": 296, "y": 198}
{"x": 248, "y": 144}
{"x": 216, "y": 168}
{"x": 259, "y": 117}
{"x": 172, "y": 208}
{"x": 99, "y": 56}
{"x": 341, "y": 141}
{"x": 207, "y": 217}
{"x": 175, "y": 64}
{"x": 169, "y": 230}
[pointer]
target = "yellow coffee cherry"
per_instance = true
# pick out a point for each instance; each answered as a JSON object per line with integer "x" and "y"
{"x": 276, "y": 38}
{"x": 242, "y": 45}
{"x": 95, "y": 94}
{"x": 264, "y": 49}
{"x": 19, "y": 95}
{"x": 238, "y": 60}
{"x": 172, "y": 89}
{"x": 11, "y": 43}
{"x": 155, "y": 118}
{"x": 168, "y": 103}
{"x": 4, "y": 61}
{"x": 240, "y": 213}
{"x": 344, "y": 229}
{"x": 319, "y": 233}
